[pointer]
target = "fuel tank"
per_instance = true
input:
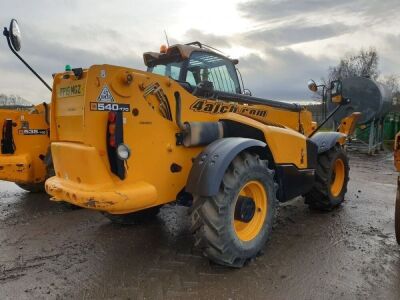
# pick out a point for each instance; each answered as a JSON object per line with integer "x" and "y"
{"x": 371, "y": 98}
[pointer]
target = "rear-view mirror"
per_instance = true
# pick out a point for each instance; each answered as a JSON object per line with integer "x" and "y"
{"x": 15, "y": 35}
{"x": 312, "y": 86}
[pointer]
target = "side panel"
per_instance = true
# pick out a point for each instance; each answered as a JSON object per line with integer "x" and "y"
{"x": 294, "y": 155}
{"x": 287, "y": 146}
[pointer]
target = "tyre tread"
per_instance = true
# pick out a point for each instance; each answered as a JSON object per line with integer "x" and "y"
{"x": 320, "y": 198}
{"x": 207, "y": 214}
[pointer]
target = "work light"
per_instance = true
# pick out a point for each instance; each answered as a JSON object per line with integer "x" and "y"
{"x": 123, "y": 151}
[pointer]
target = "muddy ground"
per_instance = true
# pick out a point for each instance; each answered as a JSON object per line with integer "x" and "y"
{"x": 49, "y": 251}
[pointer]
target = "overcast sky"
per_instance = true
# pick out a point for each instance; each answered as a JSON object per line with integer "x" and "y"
{"x": 280, "y": 43}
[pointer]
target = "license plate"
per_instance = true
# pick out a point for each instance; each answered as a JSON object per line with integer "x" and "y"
{"x": 74, "y": 89}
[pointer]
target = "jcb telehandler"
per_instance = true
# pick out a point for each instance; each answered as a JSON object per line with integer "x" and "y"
{"x": 25, "y": 143}
{"x": 24, "y": 157}
{"x": 126, "y": 142}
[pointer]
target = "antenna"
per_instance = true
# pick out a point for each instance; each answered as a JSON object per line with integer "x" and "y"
{"x": 166, "y": 37}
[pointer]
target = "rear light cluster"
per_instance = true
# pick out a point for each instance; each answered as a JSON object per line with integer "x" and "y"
{"x": 117, "y": 151}
{"x": 123, "y": 151}
{"x": 112, "y": 118}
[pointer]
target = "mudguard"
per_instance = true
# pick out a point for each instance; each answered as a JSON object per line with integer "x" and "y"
{"x": 210, "y": 165}
{"x": 326, "y": 140}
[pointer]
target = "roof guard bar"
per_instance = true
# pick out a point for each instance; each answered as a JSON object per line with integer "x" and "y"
{"x": 202, "y": 46}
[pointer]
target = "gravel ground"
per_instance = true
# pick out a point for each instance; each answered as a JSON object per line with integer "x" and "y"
{"x": 50, "y": 251}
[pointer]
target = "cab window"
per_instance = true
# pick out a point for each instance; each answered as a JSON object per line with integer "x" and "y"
{"x": 170, "y": 69}
{"x": 190, "y": 78}
{"x": 210, "y": 67}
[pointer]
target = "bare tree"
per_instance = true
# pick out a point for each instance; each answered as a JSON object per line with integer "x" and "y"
{"x": 392, "y": 82}
{"x": 364, "y": 63}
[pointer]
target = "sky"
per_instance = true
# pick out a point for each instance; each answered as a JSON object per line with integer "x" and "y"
{"x": 280, "y": 44}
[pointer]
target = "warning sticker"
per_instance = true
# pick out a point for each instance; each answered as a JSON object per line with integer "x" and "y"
{"x": 105, "y": 95}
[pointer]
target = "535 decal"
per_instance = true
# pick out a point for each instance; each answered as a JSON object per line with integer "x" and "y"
{"x": 32, "y": 131}
{"x": 103, "y": 106}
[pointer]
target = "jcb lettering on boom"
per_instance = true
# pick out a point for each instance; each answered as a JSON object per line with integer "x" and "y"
{"x": 219, "y": 107}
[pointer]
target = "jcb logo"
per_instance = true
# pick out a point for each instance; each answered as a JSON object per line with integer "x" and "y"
{"x": 219, "y": 107}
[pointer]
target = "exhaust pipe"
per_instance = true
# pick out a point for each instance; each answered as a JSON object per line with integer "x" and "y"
{"x": 196, "y": 133}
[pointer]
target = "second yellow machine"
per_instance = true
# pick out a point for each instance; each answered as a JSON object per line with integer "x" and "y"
{"x": 24, "y": 154}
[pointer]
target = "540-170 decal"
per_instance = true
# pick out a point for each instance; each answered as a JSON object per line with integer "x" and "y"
{"x": 112, "y": 106}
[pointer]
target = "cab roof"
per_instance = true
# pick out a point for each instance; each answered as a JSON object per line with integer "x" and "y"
{"x": 181, "y": 51}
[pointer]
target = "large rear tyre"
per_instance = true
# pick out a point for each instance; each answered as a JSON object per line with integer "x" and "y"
{"x": 133, "y": 218}
{"x": 397, "y": 212}
{"x": 331, "y": 178}
{"x": 232, "y": 227}
{"x": 32, "y": 187}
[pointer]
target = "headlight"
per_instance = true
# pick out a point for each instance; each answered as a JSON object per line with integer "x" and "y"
{"x": 123, "y": 151}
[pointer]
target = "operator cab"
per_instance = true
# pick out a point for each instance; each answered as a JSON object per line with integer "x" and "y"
{"x": 205, "y": 73}
{"x": 199, "y": 70}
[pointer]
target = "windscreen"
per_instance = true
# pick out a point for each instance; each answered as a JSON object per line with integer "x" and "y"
{"x": 210, "y": 67}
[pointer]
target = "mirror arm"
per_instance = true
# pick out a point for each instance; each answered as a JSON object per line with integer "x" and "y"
{"x": 328, "y": 117}
{"x": 6, "y": 33}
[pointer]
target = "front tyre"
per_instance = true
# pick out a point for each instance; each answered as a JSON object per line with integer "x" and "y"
{"x": 233, "y": 226}
{"x": 331, "y": 178}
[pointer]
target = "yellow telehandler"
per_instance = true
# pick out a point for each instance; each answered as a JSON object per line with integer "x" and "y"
{"x": 24, "y": 157}
{"x": 125, "y": 142}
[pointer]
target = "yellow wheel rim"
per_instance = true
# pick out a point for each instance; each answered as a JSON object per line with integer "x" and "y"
{"x": 337, "y": 178}
{"x": 256, "y": 191}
